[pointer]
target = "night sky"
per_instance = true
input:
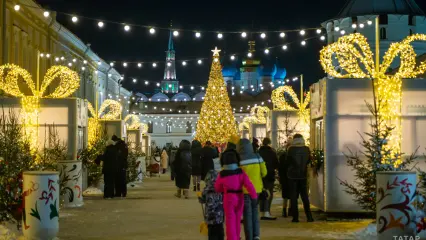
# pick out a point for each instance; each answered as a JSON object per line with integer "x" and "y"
{"x": 112, "y": 43}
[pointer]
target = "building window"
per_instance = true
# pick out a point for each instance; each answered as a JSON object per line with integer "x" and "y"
{"x": 150, "y": 127}
{"x": 383, "y": 33}
{"x": 168, "y": 127}
{"x": 383, "y": 19}
{"x": 188, "y": 127}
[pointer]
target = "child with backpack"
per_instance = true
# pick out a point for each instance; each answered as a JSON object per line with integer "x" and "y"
{"x": 213, "y": 213}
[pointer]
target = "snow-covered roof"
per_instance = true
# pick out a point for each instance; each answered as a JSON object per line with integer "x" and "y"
{"x": 180, "y": 97}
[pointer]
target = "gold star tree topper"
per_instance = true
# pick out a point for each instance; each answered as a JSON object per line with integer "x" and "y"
{"x": 216, "y": 51}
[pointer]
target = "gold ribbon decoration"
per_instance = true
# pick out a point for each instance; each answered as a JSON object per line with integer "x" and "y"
{"x": 245, "y": 124}
{"x": 355, "y": 59}
{"x": 260, "y": 113}
{"x": 109, "y": 110}
{"x": 135, "y": 123}
{"x": 10, "y": 75}
{"x": 304, "y": 114}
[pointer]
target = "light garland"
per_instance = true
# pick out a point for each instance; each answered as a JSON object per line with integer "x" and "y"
{"x": 216, "y": 122}
{"x": 10, "y": 75}
{"x": 109, "y": 110}
{"x": 134, "y": 122}
{"x": 355, "y": 58}
{"x": 304, "y": 113}
{"x": 259, "y": 113}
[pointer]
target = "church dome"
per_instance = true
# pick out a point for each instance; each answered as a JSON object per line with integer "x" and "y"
{"x": 376, "y": 7}
{"x": 281, "y": 73}
{"x": 229, "y": 71}
{"x": 160, "y": 97}
{"x": 199, "y": 97}
{"x": 181, "y": 97}
{"x": 267, "y": 70}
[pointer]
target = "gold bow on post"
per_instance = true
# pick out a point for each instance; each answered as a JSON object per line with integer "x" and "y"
{"x": 10, "y": 74}
{"x": 257, "y": 115}
{"x": 135, "y": 123}
{"x": 304, "y": 113}
{"x": 355, "y": 58}
{"x": 94, "y": 127}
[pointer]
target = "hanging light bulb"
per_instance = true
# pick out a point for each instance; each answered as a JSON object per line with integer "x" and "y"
{"x": 302, "y": 32}
{"x": 243, "y": 34}
{"x": 146, "y": 82}
{"x": 152, "y": 30}
{"x": 62, "y": 58}
{"x": 74, "y": 60}
{"x": 336, "y": 29}
{"x": 232, "y": 57}
{"x": 69, "y": 64}
{"x": 192, "y": 87}
{"x": 139, "y": 65}
{"x": 282, "y": 35}
{"x": 56, "y": 59}
{"x": 158, "y": 84}
{"x": 220, "y": 35}
{"x": 249, "y": 54}
{"x": 134, "y": 80}
{"x": 169, "y": 64}
{"x": 100, "y": 24}
{"x": 303, "y": 43}
{"x": 216, "y": 60}
{"x": 285, "y": 47}
{"x": 197, "y": 34}
{"x": 354, "y": 26}
{"x": 74, "y": 19}
{"x": 343, "y": 32}
{"x": 46, "y": 14}
{"x": 319, "y": 31}
{"x": 85, "y": 61}
{"x": 111, "y": 64}
{"x": 99, "y": 63}
{"x": 361, "y": 25}
{"x": 199, "y": 61}
{"x": 184, "y": 63}
{"x": 124, "y": 64}
{"x": 41, "y": 55}
{"x": 126, "y": 28}
{"x": 175, "y": 33}
{"x": 322, "y": 38}
{"x": 266, "y": 51}
{"x": 154, "y": 65}
{"x": 263, "y": 35}
{"x": 17, "y": 7}
{"x": 369, "y": 22}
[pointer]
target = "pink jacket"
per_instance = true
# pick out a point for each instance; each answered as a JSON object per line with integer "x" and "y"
{"x": 234, "y": 180}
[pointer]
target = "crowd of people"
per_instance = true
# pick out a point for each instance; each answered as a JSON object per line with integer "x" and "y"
{"x": 114, "y": 167}
{"x": 240, "y": 180}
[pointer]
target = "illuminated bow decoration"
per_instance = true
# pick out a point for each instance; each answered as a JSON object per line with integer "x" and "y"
{"x": 135, "y": 123}
{"x": 280, "y": 102}
{"x": 355, "y": 59}
{"x": 260, "y": 113}
{"x": 94, "y": 127}
{"x": 245, "y": 124}
{"x": 10, "y": 76}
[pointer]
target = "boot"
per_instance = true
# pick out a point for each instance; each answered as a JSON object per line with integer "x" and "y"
{"x": 285, "y": 212}
{"x": 198, "y": 187}
{"x": 267, "y": 216}
{"x": 186, "y": 193}
{"x": 195, "y": 188}
{"x": 309, "y": 216}
{"x": 179, "y": 193}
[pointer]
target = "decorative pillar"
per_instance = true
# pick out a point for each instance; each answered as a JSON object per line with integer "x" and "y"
{"x": 41, "y": 205}
{"x": 396, "y": 214}
{"x": 70, "y": 173}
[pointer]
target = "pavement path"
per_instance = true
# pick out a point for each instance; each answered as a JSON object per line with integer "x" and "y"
{"x": 152, "y": 212}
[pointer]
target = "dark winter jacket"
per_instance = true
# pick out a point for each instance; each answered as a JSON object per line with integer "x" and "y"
{"x": 122, "y": 154}
{"x": 109, "y": 158}
{"x": 230, "y": 156}
{"x": 207, "y": 164}
{"x": 298, "y": 157}
{"x": 196, "y": 149}
{"x": 182, "y": 165}
{"x": 213, "y": 213}
{"x": 271, "y": 160}
{"x": 282, "y": 173}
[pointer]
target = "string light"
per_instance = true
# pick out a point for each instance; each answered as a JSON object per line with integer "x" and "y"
{"x": 69, "y": 64}
{"x": 369, "y": 22}
{"x": 175, "y": 33}
{"x": 243, "y": 34}
{"x": 197, "y": 34}
{"x": 111, "y": 64}
{"x": 284, "y": 47}
{"x": 303, "y": 43}
{"x": 74, "y": 19}
{"x": 282, "y": 35}
{"x": 83, "y": 68}
{"x": 266, "y": 51}
{"x": 263, "y": 35}
{"x": 343, "y": 32}
{"x": 154, "y": 65}
{"x": 199, "y": 61}
{"x": 41, "y": 55}
{"x": 184, "y": 63}
{"x": 322, "y": 38}
{"x": 361, "y": 25}
{"x": 354, "y": 25}
{"x": 94, "y": 127}
{"x": 152, "y": 30}
{"x": 56, "y": 59}
{"x": 101, "y": 24}
{"x": 74, "y": 60}
{"x": 169, "y": 64}
{"x": 146, "y": 82}
{"x": 47, "y": 55}
{"x": 46, "y": 14}
{"x": 336, "y": 29}
{"x": 99, "y": 63}
{"x": 124, "y": 64}
{"x": 220, "y": 35}
{"x": 126, "y": 28}
{"x": 17, "y": 7}
{"x": 232, "y": 57}
{"x": 85, "y": 61}
{"x": 134, "y": 80}
{"x": 139, "y": 65}
{"x": 319, "y": 31}
{"x": 249, "y": 54}
{"x": 302, "y": 32}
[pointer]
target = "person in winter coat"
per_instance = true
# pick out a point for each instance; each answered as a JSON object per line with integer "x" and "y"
{"x": 120, "y": 179}
{"x": 182, "y": 168}
{"x": 231, "y": 181}
{"x": 254, "y": 166}
{"x": 213, "y": 214}
{"x": 164, "y": 160}
{"x": 196, "y": 150}
{"x": 298, "y": 157}
{"x": 284, "y": 182}
{"x": 255, "y": 145}
{"x": 109, "y": 168}
{"x": 268, "y": 155}
{"x": 207, "y": 155}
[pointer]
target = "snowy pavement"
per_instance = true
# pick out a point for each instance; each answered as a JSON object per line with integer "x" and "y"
{"x": 152, "y": 212}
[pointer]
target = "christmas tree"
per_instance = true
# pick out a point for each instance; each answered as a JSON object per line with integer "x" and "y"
{"x": 216, "y": 123}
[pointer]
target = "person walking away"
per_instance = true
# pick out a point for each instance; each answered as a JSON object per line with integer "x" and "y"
{"x": 298, "y": 157}
{"x": 208, "y": 153}
{"x": 268, "y": 155}
{"x": 164, "y": 160}
{"x": 255, "y": 145}
{"x": 213, "y": 214}
{"x": 109, "y": 167}
{"x": 196, "y": 150}
{"x": 283, "y": 179}
{"x": 254, "y": 166}
{"x": 120, "y": 179}
{"x": 231, "y": 181}
{"x": 182, "y": 168}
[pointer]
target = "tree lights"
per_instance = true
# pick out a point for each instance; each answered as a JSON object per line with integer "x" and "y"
{"x": 355, "y": 58}
{"x": 216, "y": 122}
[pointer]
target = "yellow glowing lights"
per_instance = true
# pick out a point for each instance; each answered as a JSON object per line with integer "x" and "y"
{"x": 216, "y": 122}
{"x": 355, "y": 58}
{"x": 134, "y": 122}
{"x": 109, "y": 110}
{"x": 12, "y": 75}
{"x": 259, "y": 113}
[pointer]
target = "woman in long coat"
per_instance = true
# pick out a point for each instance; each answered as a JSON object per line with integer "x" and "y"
{"x": 196, "y": 149}
{"x": 164, "y": 160}
{"x": 182, "y": 168}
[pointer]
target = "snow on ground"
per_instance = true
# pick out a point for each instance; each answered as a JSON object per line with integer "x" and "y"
{"x": 370, "y": 232}
{"x": 92, "y": 191}
{"x": 6, "y": 233}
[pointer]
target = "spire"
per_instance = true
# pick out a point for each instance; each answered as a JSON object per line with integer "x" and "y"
{"x": 171, "y": 47}
{"x": 170, "y": 83}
